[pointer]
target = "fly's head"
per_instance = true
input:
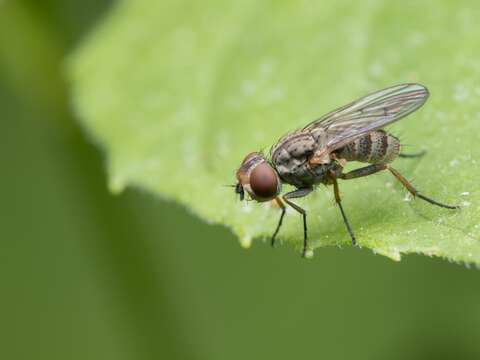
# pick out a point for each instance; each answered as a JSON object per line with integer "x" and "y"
{"x": 257, "y": 178}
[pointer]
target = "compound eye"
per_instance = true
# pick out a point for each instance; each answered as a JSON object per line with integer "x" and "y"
{"x": 264, "y": 181}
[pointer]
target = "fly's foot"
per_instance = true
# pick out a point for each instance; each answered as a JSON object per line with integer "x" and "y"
{"x": 354, "y": 240}
{"x": 272, "y": 241}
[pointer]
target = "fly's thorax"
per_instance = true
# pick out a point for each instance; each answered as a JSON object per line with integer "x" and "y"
{"x": 296, "y": 146}
{"x": 292, "y": 153}
{"x": 258, "y": 178}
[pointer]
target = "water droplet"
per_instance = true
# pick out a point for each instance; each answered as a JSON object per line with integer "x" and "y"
{"x": 246, "y": 208}
{"x": 454, "y": 162}
{"x": 376, "y": 69}
{"x": 249, "y": 87}
{"x": 246, "y": 241}
{"x": 116, "y": 184}
{"x": 309, "y": 254}
{"x": 460, "y": 93}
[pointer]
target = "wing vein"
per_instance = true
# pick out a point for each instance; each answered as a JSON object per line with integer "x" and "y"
{"x": 369, "y": 113}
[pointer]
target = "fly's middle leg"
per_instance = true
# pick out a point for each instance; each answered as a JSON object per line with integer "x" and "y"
{"x": 299, "y": 193}
{"x": 338, "y": 200}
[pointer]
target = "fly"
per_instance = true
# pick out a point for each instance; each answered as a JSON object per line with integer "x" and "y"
{"x": 318, "y": 153}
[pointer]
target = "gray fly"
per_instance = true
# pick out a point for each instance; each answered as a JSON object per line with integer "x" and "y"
{"x": 317, "y": 153}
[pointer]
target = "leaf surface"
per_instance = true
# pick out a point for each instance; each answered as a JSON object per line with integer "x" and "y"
{"x": 178, "y": 92}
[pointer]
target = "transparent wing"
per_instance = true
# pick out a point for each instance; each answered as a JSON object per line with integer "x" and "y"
{"x": 369, "y": 113}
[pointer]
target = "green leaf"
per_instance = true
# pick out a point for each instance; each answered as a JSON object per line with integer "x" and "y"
{"x": 178, "y": 92}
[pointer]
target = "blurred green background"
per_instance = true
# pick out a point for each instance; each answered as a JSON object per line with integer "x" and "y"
{"x": 88, "y": 275}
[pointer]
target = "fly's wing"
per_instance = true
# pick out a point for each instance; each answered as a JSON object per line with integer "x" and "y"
{"x": 369, "y": 113}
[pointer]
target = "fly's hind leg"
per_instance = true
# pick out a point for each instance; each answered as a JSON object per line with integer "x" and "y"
{"x": 372, "y": 169}
{"x": 415, "y": 192}
{"x": 414, "y": 155}
{"x": 299, "y": 193}
{"x": 364, "y": 171}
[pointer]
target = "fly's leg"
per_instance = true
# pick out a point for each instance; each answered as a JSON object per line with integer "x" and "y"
{"x": 299, "y": 193}
{"x": 415, "y": 155}
{"x": 415, "y": 192}
{"x": 372, "y": 169}
{"x": 282, "y": 206}
{"x": 338, "y": 200}
{"x": 364, "y": 171}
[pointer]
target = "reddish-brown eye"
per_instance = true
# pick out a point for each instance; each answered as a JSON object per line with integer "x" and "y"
{"x": 263, "y": 181}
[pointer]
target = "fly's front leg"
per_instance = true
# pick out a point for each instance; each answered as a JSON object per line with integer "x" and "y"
{"x": 338, "y": 200}
{"x": 282, "y": 206}
{"x": 299, "y": 193}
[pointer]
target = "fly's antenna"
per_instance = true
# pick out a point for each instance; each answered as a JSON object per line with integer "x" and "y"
{"x": 238, "y": 190}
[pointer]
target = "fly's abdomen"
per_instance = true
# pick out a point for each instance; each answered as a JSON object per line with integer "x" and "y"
{"x": 374, "y": 147}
